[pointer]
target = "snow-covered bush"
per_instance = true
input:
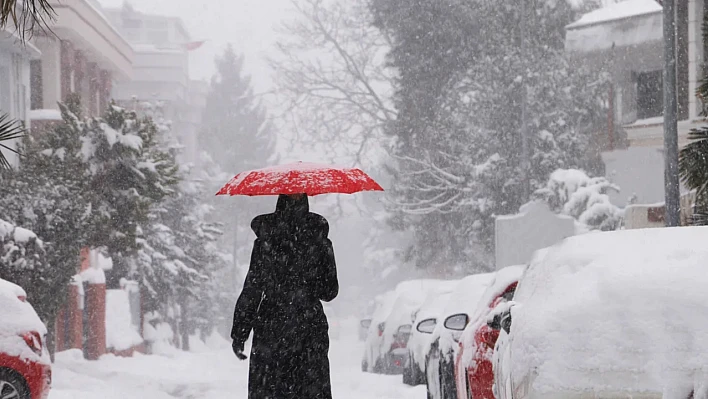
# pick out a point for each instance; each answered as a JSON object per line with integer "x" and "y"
{"x": 572, "y": 192}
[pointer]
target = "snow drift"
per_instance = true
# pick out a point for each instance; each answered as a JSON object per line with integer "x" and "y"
{"x": 615, "y": 312}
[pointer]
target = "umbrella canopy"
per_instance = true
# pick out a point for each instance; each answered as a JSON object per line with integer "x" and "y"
{"x": 300, "y": 178}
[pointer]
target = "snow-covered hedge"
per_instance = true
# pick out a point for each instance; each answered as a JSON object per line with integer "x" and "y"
{"x": 572, "y": 192}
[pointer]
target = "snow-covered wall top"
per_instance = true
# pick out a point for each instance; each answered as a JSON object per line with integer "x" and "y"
{"x": 624, "y": 24}
{"x": 517, "y": 237}
{"x": 617, "y": 11}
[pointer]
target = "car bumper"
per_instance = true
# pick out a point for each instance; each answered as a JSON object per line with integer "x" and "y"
{"x": 39, "y": 379}
{"x": 592, "y": 395}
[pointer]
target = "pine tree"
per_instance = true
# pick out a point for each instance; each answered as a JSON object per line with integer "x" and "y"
{"x": 237, "y": 136}
{"x": 236, "y": 131}
{"x": 48, "y": 196}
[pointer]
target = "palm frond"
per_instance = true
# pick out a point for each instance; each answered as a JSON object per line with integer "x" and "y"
{"x": 28, "y": 16}
{"x": 693, "y": 161}
{"x": 10, "y": 129}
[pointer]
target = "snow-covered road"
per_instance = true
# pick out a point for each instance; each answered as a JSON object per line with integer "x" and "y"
{"x": 209, "y": 372}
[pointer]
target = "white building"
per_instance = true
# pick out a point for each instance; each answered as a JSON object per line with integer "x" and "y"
{"x": 626, "y": 40}
{"x": 161, "y": 70}
{"x": 82, "y": 54}
{"x": 15, "y": 79}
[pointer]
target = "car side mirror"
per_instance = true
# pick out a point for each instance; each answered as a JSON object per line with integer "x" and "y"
{"x": 426, "y": 326}
{"x": 457, "y": 322}
{"x": 366, "y": 323}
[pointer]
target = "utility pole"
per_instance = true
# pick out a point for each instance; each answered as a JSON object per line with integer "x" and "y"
{"x": 525, "y": 163}
{"x": 671, "y": 179}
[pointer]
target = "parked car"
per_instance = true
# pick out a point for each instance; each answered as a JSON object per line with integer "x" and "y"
{"x": 420, "y": 340}
{"x": 473, "y": 366}
{"x": 25, "y": 368}
{"x": 399, "y": 323}
{"x": 382, "y": 340}
{"x": 608, "y": 315}
{"x": 440, "y": 361}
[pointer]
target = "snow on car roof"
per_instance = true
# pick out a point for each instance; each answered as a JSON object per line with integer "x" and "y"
{"x": 613, "y": 309}
{"x": 467, "y": 293}
{"x": 433, "y": 306}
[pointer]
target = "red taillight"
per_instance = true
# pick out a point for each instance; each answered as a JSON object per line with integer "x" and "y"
{"x": 34, "y": 341}
{"x": 22, "y": 298}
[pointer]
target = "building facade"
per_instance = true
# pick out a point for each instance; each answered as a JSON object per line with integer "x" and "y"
{"x": 15, "y": 61}
{"x": 83, "y": 54}
{"x": 161, "y": 71}
{"x": 625, "y": 40}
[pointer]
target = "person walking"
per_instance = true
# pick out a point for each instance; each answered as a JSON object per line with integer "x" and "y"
{"x": 292, "y": 270}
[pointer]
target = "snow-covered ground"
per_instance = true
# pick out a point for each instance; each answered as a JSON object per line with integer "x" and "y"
{"x": 210, "y": 371}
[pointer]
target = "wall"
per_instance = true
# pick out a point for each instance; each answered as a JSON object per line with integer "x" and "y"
{"x": 517, "y": 237}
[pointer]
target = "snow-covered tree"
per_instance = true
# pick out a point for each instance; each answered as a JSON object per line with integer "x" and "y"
{"x": 47, "y": 195}
{"x": 572, "y": 192}
{"x": 470, "y": 84}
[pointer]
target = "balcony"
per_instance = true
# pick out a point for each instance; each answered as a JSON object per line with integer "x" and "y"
{"x": 82, "y": 23}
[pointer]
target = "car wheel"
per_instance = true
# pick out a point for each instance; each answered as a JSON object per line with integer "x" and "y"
{"x": 12, "y": 385}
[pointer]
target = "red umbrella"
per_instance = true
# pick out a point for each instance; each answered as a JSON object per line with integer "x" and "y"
{"x": 300, "y": 178}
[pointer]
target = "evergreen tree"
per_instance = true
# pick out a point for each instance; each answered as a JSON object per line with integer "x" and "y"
{"x": 48, "y": 196}
{"x": 237, "y": 136}
{"x": 236, "y": 131}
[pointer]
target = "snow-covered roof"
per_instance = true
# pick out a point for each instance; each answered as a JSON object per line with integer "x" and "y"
{"x": 613, "y": 311}
{"x": 617, "y": 11}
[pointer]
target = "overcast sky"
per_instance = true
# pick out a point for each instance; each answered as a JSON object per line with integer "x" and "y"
{"x": 249, "y": 24}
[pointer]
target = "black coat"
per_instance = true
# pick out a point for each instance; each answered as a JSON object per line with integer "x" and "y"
{"x": 292, "y": 269}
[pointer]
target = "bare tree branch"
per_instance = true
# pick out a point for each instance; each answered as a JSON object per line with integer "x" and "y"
{"x": 332, "y": 75}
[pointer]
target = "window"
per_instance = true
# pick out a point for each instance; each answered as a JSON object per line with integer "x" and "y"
{"x": 650, "y": 94}
{"x": 36, "y": 85}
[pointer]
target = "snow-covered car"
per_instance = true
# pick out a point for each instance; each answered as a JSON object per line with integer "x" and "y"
{"x": 383, "y": 340}
{"x": 440, "y": 360}
{"x": 419, "y": 342}
{"x": 25, "y": 367}
{"x": 473, "y": 366}
{"x": 399, "y": 323}
{"x": 608, "y": 315}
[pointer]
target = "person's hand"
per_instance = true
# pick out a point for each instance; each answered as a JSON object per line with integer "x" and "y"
{"x": 238, "y": 350}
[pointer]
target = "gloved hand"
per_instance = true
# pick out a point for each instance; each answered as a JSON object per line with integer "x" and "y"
{"x": 238, "y": 350}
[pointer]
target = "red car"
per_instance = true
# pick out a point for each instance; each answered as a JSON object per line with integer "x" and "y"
{"x": 25, "y": 368}
{"x": 473, "y": 366}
